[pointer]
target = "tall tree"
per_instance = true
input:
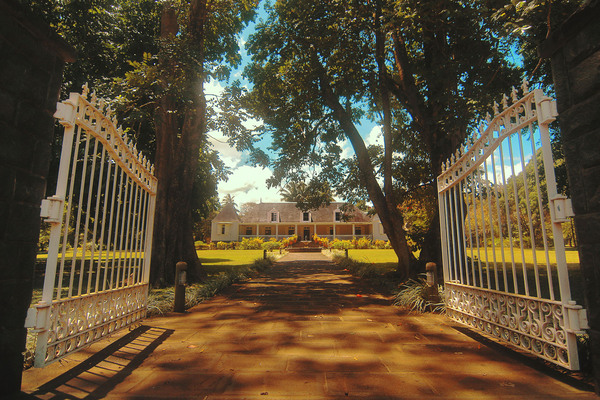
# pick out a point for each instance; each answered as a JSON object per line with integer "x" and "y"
{"x": 422, "y": 70}
{"x": 195, "y": 39}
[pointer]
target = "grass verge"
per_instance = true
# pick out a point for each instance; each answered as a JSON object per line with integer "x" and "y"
{"x": 160, "y": 301}
{"x": 414, "y": 295}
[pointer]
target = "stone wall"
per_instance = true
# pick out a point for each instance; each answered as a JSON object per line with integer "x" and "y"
{"x": 32, "y": 61}
{"x": 575, "y": 56}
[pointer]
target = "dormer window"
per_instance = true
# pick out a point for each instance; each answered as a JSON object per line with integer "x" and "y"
{"x": 338, "y": 215}
{"x": 306, "y": 216}
{"x": 274, "y": 217}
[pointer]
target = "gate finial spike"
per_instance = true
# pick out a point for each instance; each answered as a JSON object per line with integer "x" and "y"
{"x": 495, "y": 108}
{"x": 525, "y": 86}
{"x": 504, "y": 102}
{"x": 101, "y": 104}
{"x": 85, "y": 89}
{"x": 514, "y": 95}
{"x": 488, "y": 117}
{"x": 108, "y": 112}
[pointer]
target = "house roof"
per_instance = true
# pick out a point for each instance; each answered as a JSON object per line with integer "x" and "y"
{"x": 227, "y": 214}
{"x": 288, "y": 212}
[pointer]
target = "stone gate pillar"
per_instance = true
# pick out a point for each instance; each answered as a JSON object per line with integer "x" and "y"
{"x": 574, "y": 50}
{"x": 31, "y": 65}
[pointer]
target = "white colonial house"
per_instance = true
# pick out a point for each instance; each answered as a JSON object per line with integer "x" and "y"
{"x": 281, "y": 220}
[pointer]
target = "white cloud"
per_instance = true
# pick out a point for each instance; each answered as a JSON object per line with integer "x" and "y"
{"x": 375, "y": 136}
{"x": 248, "y": 184}
{"x": 229, "y": 155}
{"x": 213, "y": 88}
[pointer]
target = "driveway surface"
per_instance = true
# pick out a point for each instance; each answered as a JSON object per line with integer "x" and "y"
{"x": 304, "y": 329}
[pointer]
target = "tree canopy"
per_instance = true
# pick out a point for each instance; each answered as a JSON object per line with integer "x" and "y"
{"x": 423, "y": 71}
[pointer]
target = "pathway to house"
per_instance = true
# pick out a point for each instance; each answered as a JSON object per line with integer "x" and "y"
{"x": 303, "y": 330}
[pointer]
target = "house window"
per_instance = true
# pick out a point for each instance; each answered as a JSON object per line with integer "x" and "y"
{"x": 358, "y": 230}
{"x": 273, "y": 217}
{"x": 331, "y": 230}
{"x": 338, "y": 216}
{"x": 248, "y": 230}
{"x": 291, "y": 230}
{"x": 268, "y": 231}
{"x": 305, "y": 216}
{"x": 222, "y": 229}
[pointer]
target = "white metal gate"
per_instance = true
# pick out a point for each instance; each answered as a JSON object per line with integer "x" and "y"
{"x": 505, "y": 268}
{"x": 101, "y": 218}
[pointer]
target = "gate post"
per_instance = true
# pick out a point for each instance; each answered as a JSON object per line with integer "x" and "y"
{"x": 33, "y": 61}
{"x": 574, "y": 50}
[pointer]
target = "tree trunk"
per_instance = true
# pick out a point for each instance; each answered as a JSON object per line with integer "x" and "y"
{"x": 178, "y": 142}
{"x": 391, "y": 218}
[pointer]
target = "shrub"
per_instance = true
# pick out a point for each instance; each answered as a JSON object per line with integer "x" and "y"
{"x": 289, "y": 241}
{"x": 251, "y": 244}
{"x": 271, "y": 245}
{"x": 420, "y": 297}
{"x": 379, "y": 244}
{"x": 341, "y": 244}
{"x": 222, "y": 245}
{"x": 200, "y": 245}
{"x": 362, "y": 243}
{"x": 321, "y": 241}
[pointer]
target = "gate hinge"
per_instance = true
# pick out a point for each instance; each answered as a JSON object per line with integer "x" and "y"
{"x": 562, "y": 207}
{"x": 37, "y": 316}
{"x": 65, "y": 113}
{"x": 52, "y": 209}
{"x": 577, "y": 317}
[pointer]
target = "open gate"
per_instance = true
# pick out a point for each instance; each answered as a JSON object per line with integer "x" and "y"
{"x": 505, "y": 269}
{"x": 101, "y": 217}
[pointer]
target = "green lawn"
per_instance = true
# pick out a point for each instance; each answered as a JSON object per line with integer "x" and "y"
{"x": 215, "y": 261}
{"x": 383, "y": 259}
{"x": 572, "y": 255}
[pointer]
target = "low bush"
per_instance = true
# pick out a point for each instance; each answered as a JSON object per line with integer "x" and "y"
{"x": 337, "y": 244}
{"x": 271, "y": 245}
{"x": 251, "y": 244}
{"x": 418, "y": 296}
{"x": 289, "y": 241}
{"x": 200, "y": 245}
{"x": 321, "y": 241}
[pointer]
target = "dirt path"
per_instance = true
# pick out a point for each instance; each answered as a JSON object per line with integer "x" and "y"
{"x": 303, "y": 330}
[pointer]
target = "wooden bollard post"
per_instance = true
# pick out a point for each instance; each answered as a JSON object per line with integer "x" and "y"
{"x": 180, "y": 282}
{"x": 431, "y": 270}
{"x": 432, "y": 289}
